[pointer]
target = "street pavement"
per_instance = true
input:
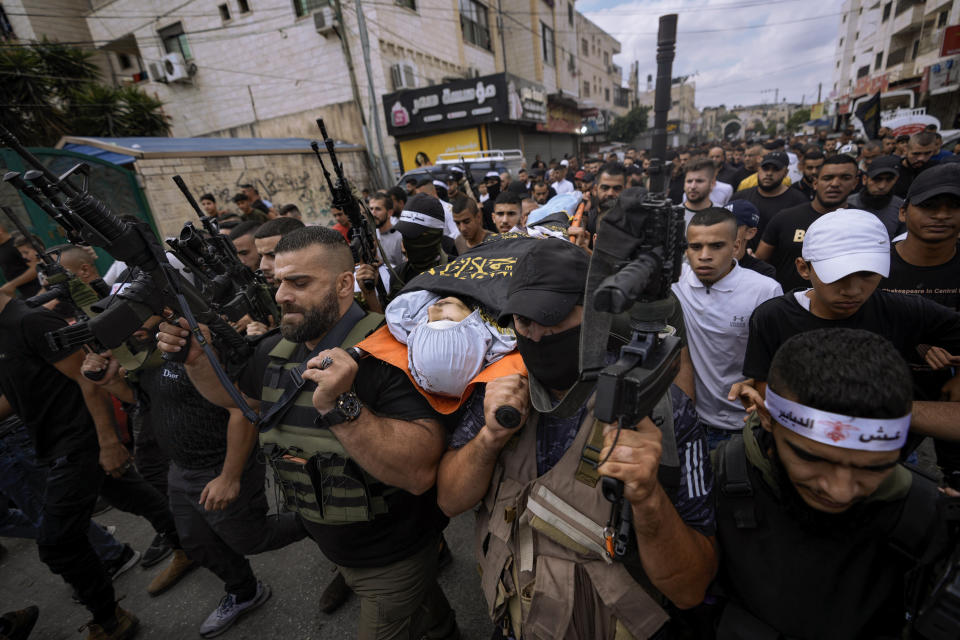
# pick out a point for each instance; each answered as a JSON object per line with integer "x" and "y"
{"x": 297, "y": 575}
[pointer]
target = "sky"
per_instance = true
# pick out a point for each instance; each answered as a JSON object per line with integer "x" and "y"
{"x": 739, "y": 50}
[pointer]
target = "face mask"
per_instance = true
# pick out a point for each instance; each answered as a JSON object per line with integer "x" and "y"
{"x": 424, "y": 250}
{"x": 553, "y": 360}
{"x": 444, "y": 355}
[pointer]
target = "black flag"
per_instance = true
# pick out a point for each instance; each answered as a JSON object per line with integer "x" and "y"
{"x": 869, "y": 114}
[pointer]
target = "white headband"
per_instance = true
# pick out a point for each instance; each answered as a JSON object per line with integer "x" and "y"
{"x": 421, "y": 219}
{"x": 847, "y": 432}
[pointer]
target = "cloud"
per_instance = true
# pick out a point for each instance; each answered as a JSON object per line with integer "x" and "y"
{"x": 740, "y": 50}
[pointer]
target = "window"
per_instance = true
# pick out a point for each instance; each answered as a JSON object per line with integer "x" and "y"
{"x": 571, "y": 63}
{"x": 409, "y": 4}
{"x": 878, "y": 62}
{"x": 306, "y": 7}
{"x": 244, "y": 6}
{"x": 606, "y": 94}
{"x": 586, "y": 88}
{"x": 916, "y": 47}
{"x": 548, "y": 53}
{"x": 942, "y": 19}
{"x": 570, "y": 13}
{"x": 124, "y": 61}
{"x": 606, "y": 58}
{"x": 474, "y": 24}
{"x": 863, "y": 71}
{"x": 175, "y": 40}
{"x": 584, "y": 46}
{"x": 886, "y": 11}
{"x": 841, "y": 42}
{"x": 224, "y": 12}
{"x": 856, "y": 36}
{"x": 838, "y": 64}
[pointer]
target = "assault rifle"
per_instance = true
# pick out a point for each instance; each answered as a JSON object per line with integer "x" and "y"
{"x": 363, "y": 239}
{"x": 132, "y": 241}
{"x": 232, "y": 288}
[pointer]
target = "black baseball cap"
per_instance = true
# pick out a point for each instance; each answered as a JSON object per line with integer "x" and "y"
{"x": 935, "y": 181}
{"x": 884, "y": 164}
{"x": 777, "y": 158}
{"x": 421, "y": 212}
{"x": 547, "y": 282}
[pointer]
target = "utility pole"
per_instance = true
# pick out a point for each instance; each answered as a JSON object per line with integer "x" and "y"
{"x": 365, "y": 45}
{"x": 819, "y": 90}
{"x": 503, "y": 41}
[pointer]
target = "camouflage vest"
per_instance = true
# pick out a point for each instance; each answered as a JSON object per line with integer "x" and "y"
{"x": 315, "y": 475}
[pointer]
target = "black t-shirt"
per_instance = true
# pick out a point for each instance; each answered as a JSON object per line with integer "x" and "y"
{"x": 785, "y": 233}
{"x": 49, "y": 403}
{"x": 941, "y": 284}
{"x": 189, "y": 429}
{"x": 740, "y": 174}
{"x": 768, "y": 207}
{"x": 904, "y": 320}
{"x": 388, "y": 392}
{"x": 12, "y": 265}
{"x": 761, "y": 267}
{"x": 804, "y": 188}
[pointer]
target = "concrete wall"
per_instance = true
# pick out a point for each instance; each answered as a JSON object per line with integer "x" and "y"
{"x": 282, "y": 179}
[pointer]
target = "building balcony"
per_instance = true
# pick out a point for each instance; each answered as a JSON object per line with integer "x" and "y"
{"x": 908, "y": 16}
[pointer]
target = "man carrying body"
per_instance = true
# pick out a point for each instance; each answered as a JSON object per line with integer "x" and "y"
{"x": 811, "y": 501}
{"x": 470, "y": 223}
{"x": 506, "y": 212}
{"x": 783, "y": 236}
{"x": 877, "y": 197}
{"x": 718, "y": 297}
{"x": 377, "y": 439}
{"x": 771, "y": 195}
{"x": 560, "y": 183}
{"x": 577, "y": 594}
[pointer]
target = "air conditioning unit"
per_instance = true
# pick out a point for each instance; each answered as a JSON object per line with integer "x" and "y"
{"x": 324, "y": 21}
{"x": 403, "y": 76}
{"x": 175, "y": 67}
{"x": 157, "y": 74}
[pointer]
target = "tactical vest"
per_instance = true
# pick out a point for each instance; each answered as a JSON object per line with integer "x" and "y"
{"x": 315, "y": 475}
{"x": 536, "y": 535}
{"x": 782, "y": 580}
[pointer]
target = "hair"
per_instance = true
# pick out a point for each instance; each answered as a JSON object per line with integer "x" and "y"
{"x": 813, "y": 154}
{"x": 847, "y": 371}
{"x": 208, "y": 196}
{"x": 244, "y": 229}
{"x": 397, "y": 194}
{"x": 508, "y": 197}
{"x": 903, "y": 138}
{"x": 714, "y": 215}
{"x": 383, "y": 195}
{"x": 612, "y": 169}
{"x": 327, "y": 237}
{"x": 464, "y": 203}
{"x": 289, "y": 209}
{"x": 702, "y": 164}
{"x": 840, "y": 158}
{"x": 72, "y": 252}
{"x": 278, "y": 227}
{"x": 250, "y": 186}
{"x": 240, "y": 197}
{"x": 923, "y": 138}
{"x": 20, "y": 240}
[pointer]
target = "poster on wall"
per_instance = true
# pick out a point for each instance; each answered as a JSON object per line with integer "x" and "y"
{"x": 423, "y": 151}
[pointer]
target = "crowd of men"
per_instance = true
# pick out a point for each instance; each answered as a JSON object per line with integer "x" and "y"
{"x": 818, "y": 314}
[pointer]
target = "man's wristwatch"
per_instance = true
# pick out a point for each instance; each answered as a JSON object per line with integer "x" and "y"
{"x": 346, "y": 409}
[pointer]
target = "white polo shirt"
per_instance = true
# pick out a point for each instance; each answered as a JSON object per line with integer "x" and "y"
{"x": 717, "y": 319}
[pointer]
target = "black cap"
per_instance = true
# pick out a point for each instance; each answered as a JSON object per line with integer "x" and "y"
{"x": 884, "y": 164}
{"x": 547, "y": 282}
{"x": 424, "y": 180}
{"x": 421, "y": 212}
{"x": 937, "y": 180}
{"x": 777, "y": 158}
{"x": 587, "y": 177}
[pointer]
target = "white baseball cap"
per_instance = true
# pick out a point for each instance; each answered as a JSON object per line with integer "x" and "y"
{"x": 846, "y": 241}
{"x": 564, "y": 163}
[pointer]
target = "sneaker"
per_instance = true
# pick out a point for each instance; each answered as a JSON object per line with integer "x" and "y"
{"x": 158, "y": 550}
{"x": 127, "y": 560}
{"x": 230, "y": 611}
{"x": 123, "y": 627}
{"x": 102, "y": 506}
{"x": 335, "y": 594}
{"x": 17, "y": 625}
{"x": 180, "y": 565}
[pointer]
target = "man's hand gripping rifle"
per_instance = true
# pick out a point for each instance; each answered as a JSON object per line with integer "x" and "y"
{"x": 88, "y": 220}
{"x": 363, "y": 239}
{"x": 637, "y": 256}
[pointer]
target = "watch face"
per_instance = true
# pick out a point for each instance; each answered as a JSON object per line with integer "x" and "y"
{"x": 350, "y": 405}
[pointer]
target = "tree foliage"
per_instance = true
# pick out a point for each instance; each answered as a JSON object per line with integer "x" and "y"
{"x": 629, "y": 126}
{"x": 797, "y": 119}
{"x": 50, "y": 90}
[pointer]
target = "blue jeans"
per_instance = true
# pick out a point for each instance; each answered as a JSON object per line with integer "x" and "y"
{"x": 23, "y": 481}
